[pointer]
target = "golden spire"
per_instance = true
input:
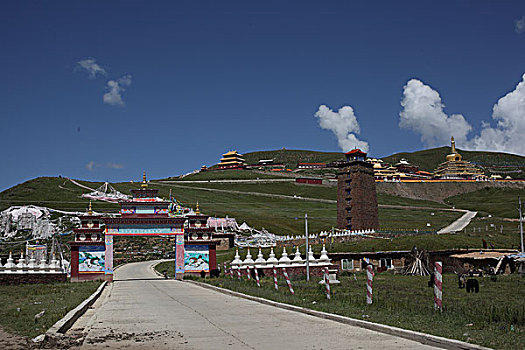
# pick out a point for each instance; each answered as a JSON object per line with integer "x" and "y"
{"x": 90, "y": 211}
{"x": 453, "y": 143}
{"x": 144, "y": 182}
{"x": 197, "y": 210}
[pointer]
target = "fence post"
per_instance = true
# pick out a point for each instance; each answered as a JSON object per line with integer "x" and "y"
{"x": 248, "y": 273}
{"x": 275, "y": 279}
{"x": 239, "y": 272}
{"x": 369, "y": 280}
{"x": 257, "y": 278}
{"x": 438, "y": 286}
{"x": 327, "y": 282}
{"x": 288, "y": 281}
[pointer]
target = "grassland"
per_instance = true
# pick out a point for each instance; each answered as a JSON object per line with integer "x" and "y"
{"x": 20, "y": 304}
{"x": 501, "y": 202}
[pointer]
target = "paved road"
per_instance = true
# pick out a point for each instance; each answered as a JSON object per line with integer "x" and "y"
{"x": 142, "y": 311}
{"x": 460, "y": 223}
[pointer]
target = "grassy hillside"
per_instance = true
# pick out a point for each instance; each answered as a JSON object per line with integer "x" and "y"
{"x": 284, "y": 216}
{"x": 497, "y": 202}
{"x": 291, "y": 157}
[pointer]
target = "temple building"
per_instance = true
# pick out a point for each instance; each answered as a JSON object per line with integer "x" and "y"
{"x": 457, "y": 169}
{"x": 87, "y": 249}
{"x": 232, "y": 160}
{"x": 356, "y": 193}
{"x": 199, "y": 246}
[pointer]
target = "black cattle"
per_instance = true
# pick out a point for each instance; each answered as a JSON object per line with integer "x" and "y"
{"x": 472, "y": 285}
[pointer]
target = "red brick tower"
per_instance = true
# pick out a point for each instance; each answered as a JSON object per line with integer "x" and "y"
{"x": 356, "y": 193}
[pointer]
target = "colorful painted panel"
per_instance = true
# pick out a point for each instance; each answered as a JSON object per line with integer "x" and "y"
{"x": 196, "y": 258}
{"x": 91, "y": 258}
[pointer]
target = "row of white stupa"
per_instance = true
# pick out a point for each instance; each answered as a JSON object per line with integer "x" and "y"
{"x": 284, "y": 261}
{"x": 32, "y": 266}
{"x": 327, "y": 234}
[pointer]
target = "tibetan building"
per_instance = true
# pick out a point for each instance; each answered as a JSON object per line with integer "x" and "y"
{"x": 87, "y": 250}
{"x": 232, "y": 160}
{"x": 356, "y": 193}
{"x": 456, "y": 168}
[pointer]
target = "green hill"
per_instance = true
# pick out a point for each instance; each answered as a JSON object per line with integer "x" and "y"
{"x": 291, "y": 157}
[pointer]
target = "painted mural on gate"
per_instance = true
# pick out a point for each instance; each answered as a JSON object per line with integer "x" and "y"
{"x": 196, "y": 258}
{"x": 91, "y": 258}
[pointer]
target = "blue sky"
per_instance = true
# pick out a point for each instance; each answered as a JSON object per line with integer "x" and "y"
{"x": 174, "y": 84}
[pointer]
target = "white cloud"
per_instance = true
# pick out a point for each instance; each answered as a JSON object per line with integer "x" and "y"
{"x": 509, "y": 115}
{"x": 519, "y": 25}
{"x": 344, "y": 125}
{"x": 112, "y": 165}
{"x": 91, "y": 67}
{"x": 423, "y": 113}
{"x": 115, "y": 89}
{"x": 92, "y": 165}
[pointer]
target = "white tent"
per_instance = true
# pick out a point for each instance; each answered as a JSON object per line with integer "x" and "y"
{"x": 245, "y": 227}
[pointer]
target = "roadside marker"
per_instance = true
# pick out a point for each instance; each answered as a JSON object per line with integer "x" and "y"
{"x": 288, "y": 281}
{"x": 327, "y": 283}
{"x": 369, "y": 280}
{"x": 257, "y": 278}
{"x": 438, "y": 286}
{"x": 275, "y": 279}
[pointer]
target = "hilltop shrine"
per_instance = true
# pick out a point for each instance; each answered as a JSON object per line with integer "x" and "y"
{"x": 456, "y": 168}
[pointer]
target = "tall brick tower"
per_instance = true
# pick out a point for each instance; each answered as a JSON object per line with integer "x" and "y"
{"x": 356, "y": 193}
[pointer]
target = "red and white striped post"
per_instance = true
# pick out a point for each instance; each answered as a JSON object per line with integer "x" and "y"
{"x": 288, "y": 281}
{"x": 225, "y": 270}
{"x": 248, "y": 273}
{"x": 231, "y": 272}
{"x": 275, "y": 279}
{"x": 438, "y": 286}
{"x": 369, "y": 280}
{"x": 326, "y": 282}
{"x": 239, "y": 272}
{"x": 257, "y": 278}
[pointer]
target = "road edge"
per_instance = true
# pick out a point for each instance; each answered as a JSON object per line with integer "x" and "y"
{"x": 62, "y": 325}
{"x": 423, "y": 338}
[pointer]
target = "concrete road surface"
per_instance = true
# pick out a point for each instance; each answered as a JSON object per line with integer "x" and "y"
{"x": 460, "y": 223}
{"x": 141, "y": 311}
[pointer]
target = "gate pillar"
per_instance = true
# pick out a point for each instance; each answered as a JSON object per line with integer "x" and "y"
{"x": 179, "y": 256}
{"x": 108, "y": 258}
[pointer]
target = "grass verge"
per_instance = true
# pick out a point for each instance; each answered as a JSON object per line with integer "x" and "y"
{"x": 20, "y": 304}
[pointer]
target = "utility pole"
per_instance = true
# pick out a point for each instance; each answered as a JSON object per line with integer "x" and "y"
{"x": 521, "y": 227}
{"x": 307, "y": 248}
